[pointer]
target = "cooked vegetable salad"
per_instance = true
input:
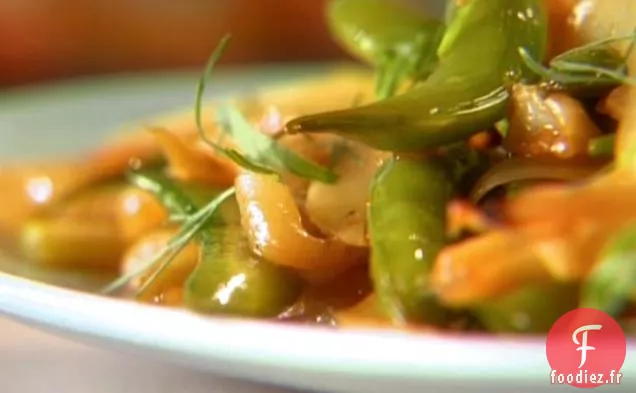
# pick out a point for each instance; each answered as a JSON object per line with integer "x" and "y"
{"x": 475, "y": 172}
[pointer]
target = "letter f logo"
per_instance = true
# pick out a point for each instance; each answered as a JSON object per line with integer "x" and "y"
{"x": 583, "y": 344}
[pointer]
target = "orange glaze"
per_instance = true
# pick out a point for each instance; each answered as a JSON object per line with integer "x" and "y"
{"x": 366, "y": 315}
{"x": 319, "y": 302}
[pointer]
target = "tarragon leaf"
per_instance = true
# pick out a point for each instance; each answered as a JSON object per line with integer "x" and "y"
{"x": 192, "y": 226}
{"x": 268, "y": 153}
{"x": 259, "y": 153}
{"x": 594, "y": 63}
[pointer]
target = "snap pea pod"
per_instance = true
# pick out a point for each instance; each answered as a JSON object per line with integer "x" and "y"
{"x": 398, "y": 40}
{"x": 228, "y": 278}
{"x": 465, "y": 94}
{"x": 407, "y": 228}
{"x": 529, "y": 310}
{"x": 231, "y": 280}
{"x": 77, "y": 231}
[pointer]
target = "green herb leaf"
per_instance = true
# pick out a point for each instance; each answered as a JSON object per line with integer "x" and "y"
{"x": 595, "y": 63}
{"x": 170, "y": 196}
{"x": 534, "y": 65}
{"x": 613, "y": 281}
{"x": 266, "y": 152}
{"x": 180, "y": 199}
{"x": 600, "y": 52}
{"x": 261, "y": 153}
{"x": 191, "y": 228}
{"x": 198, "y": 106}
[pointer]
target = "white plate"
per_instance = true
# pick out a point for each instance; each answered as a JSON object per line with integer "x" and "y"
{"x": 74, "y": 116}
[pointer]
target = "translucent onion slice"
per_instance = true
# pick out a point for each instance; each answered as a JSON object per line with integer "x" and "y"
{"x": 524, "y": 169}
{"x": 275, "y": 230}
{"x": 340, "y": 209}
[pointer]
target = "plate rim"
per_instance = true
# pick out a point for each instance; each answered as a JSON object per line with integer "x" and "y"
{"x": 93, "y": 315}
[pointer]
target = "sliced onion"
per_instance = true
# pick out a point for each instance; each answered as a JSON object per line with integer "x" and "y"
{"x": 273, "y": 224}
{"x": 340, "y": 209}
{"x": 523, "y": 169}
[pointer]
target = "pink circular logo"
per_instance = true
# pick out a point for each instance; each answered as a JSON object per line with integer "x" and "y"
{"x": 586, "y": 348}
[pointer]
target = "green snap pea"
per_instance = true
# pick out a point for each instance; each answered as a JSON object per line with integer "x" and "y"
{"x": 407, "y": 228}
{"x": 398, "y": 40}
{"x": 466, "y": 93}
{"x": 230, "y": 279}
{"x": 529, "y": 310}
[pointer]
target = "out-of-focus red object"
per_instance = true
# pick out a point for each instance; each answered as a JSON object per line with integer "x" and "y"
{"x": 42, "y": 39}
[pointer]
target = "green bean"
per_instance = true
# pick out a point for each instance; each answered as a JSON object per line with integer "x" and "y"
{"x": 77, "y": 231}
{"x": 407, "y": 227}
{"x": 400, "y": 41}
{"x": 231, "y": 280}
{"x": 529, "y": 310}
{"x": 63, "y": 242}
{"x": 466, "y": 93}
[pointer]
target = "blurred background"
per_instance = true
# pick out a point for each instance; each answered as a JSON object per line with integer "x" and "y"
{"x": 42, "y": 40}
